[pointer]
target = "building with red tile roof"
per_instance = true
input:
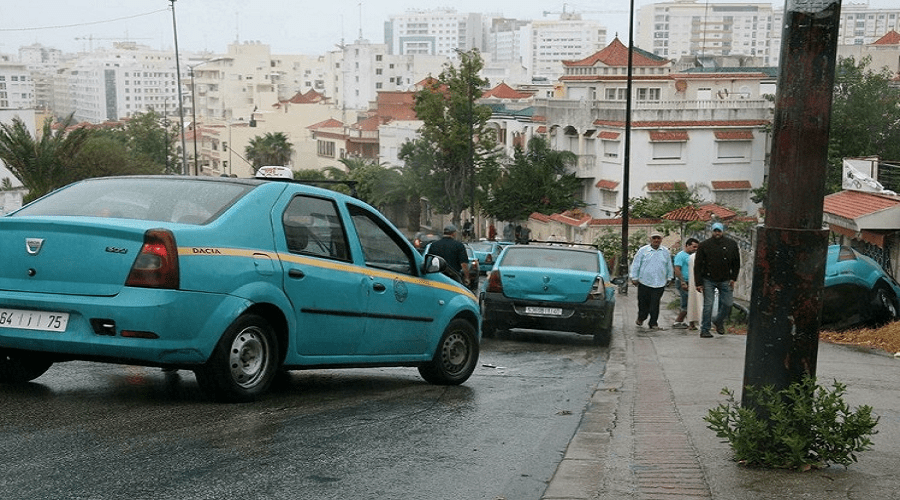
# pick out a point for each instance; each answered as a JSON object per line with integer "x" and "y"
{"x": 701, "y": 129}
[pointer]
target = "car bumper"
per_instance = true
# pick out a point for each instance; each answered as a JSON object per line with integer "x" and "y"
{"x": 187, "y": 325}
{"x": 505, "y": 313}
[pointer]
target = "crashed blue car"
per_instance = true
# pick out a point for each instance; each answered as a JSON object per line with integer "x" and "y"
{"x": 559, "y": 287}
{"x": 234, "y": 279}
{"x": 857, "y": 290}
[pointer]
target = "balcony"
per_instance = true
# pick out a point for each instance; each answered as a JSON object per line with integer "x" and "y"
{"x": 580, "y": 113}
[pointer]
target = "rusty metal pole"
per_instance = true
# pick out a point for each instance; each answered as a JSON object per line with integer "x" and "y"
{"x": 789, "y": 270}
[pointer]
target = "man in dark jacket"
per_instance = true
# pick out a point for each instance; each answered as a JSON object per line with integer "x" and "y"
{"x": 716, "y": 267}
{"x": 453, "y": 252}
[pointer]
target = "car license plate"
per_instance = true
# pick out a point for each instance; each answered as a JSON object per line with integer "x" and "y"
{"x": 544, "y": 311}
{"x": 34, "y": 320}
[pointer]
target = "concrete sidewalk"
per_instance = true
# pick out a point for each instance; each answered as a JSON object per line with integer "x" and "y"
{"x": 643, "y": 435}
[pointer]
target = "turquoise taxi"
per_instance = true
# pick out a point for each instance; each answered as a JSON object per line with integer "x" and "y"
{"x": 234, "y": 279}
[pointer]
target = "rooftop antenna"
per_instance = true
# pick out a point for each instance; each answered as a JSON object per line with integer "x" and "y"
{"x": 237, "y": 30}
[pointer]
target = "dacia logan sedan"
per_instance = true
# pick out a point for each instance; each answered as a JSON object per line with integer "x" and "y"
{"x": 234, "y": 279}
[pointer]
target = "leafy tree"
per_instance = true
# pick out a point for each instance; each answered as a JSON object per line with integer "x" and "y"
{"x": 147, "y": 135}
{"x": 414, "y": 181}
{"x": 455, "y": 129}
{"x": 44, "y": 164}
{"x": 656, "y": 206}
{"x": 864, "y": 117}
{"x": 273, "y": 148}
{"x": 102, "y": 156}
{"x": 537, "y": 180}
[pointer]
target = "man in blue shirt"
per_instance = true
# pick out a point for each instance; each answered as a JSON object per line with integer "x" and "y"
{"x": 683, "y": 277}
{"x": 651, "y": 271}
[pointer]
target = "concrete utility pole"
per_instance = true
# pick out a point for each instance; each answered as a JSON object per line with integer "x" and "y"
{"x": 789, "y": 270}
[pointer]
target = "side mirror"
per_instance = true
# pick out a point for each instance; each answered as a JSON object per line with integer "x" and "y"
{"x": 434, "y": 264}
{"x": 619, "y": 280}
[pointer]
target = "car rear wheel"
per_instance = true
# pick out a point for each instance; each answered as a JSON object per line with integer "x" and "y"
{"x": 455, "y": 357}
{"x": 22, "y": 366}
{"x": 244, "y": 362}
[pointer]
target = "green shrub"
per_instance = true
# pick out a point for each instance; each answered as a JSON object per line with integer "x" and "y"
{"x": 800, "y": 427}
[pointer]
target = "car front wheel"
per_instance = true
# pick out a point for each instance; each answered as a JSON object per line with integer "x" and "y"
{"x": 885, "y": 307}
{"x": 455, "y": 357}
{"x": 244, "y": 362}
{"x": 21, "y": 366}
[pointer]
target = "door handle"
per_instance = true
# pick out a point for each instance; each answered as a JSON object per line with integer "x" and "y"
{"x": 296, "y": 273}
{"x": 379, "y": 287}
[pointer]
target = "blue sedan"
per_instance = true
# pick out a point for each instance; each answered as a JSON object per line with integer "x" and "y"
{"x": 550, "y": 287}
{"x": 487, "y": 253}
{"x": 234, "y": 279}
{"x": 857, "y": 290}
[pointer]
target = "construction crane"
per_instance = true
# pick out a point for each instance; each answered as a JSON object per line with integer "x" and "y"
{"x": 91, "y": 38}
{"x": 566, "y": 15}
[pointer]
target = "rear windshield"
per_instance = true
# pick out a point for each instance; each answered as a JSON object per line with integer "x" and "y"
{"x": 165, "y": 199}
{"x": 483, "y": 247}
{"x": 557, "y": 258}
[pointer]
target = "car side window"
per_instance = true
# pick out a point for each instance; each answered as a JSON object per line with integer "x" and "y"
{"x": 379, "y": 244}
{"x": 312, "y": 226}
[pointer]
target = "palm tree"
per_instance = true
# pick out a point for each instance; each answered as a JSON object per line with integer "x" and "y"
{"x": 41, "y": 165}
{"x": 269, "y": 149}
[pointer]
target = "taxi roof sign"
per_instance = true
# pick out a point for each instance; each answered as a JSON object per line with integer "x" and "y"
{"x": 275, "y": 171}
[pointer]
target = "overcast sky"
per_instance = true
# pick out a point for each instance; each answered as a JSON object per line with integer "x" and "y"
{"x": 289, "y": 27}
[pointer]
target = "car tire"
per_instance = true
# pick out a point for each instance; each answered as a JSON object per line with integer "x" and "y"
{"x": 885, "y": 307}
{"x": 22, "y": 366}
{"x": 602, "y": 337}
{"x": 456, "y": 355}
{"x": 244, "y": 362}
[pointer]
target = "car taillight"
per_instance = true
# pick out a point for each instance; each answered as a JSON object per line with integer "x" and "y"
{"x": 494, "y": 285}
{"x": 598, "y": 290}
{"x": 489, "y": 259}
{"x": 156, "y": 266}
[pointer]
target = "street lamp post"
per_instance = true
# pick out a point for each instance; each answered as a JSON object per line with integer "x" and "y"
{"x": 194, "y": 119}
{"x": 184, "y": 164}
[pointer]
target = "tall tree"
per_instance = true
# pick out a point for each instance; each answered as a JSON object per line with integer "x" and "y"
{"x": 273, "y": 148}
{"x": 865, "y": 117}
{"x": 537, "y": 180}
{"x": 44, "y": 164}
{"x": 455, "y": 128}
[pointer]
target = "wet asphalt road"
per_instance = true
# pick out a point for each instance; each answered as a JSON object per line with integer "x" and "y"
{"x": 94, "y": 431}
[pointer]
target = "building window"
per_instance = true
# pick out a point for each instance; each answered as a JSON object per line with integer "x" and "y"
{"x": 610, "y": 149}
{"x": 608, "y": 198}
{"x": 663, "y": 151}
{"x": 732, "y": 150}
{"x": 325, "y": 148}
{"x": 731, "y": 198}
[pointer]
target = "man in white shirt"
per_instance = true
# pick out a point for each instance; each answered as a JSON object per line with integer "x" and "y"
{"x": 651, "y": 271}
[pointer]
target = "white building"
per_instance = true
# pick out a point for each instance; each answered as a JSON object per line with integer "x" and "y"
{"x": 692, "y": 28}
{"x": 16, "y": 86}
{"x": 11, "y": 199}
{"x": 861, "y": 25}
{"x": 434, "y": 32}
{"x": 111, "y": 84}
{"x": 547, "y": 43}
{"x": 700, "y": 129}
{"x": 368, "y": 69}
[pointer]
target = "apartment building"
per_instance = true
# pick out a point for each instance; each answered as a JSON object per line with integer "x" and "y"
{"x": 692, "y": 28}
{"x": 549, "y": 42}
{"x": 698, "y": 128}
{"x": 16, "y": 86}
{"x": 368, "y": 69}
{"x": 110, "y": 84}
{"x": 861, "y": 25}
{"x": 434, "y": 32}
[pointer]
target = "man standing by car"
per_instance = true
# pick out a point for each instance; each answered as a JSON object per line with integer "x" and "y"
{"x": 453, "y": 252}
{"x": 651, "y": 271}
{"x": 716, "y": 267}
